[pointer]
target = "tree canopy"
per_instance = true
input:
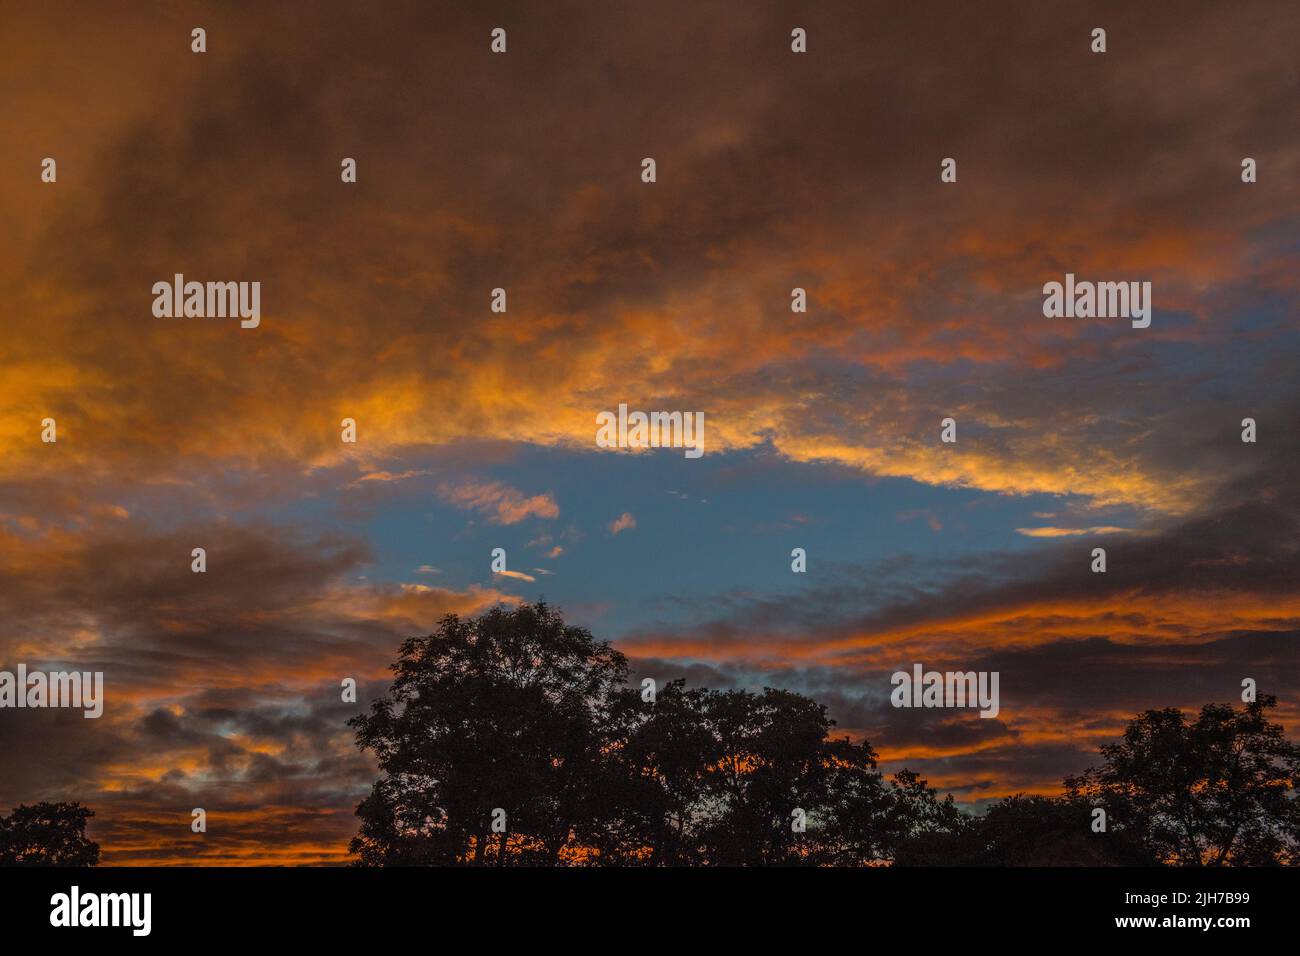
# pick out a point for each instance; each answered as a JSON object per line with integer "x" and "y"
{"x": 518, "y": 716}
{"x": 1215, "y": 790}
{"x": 47, "y": 834}
{"x": 513, "y": 739}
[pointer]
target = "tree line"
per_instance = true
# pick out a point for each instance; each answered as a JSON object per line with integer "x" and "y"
{"x": 513, "y": 739}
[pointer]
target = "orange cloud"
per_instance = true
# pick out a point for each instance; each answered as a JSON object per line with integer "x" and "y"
{"x": 1050, "y": 532}
{"x": 501, "y": 503}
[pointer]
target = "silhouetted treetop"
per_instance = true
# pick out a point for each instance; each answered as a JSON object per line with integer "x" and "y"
{"x": 47, "y": 834}
{"x": 1216, "y": 790}
{"x": 513, "y": 738}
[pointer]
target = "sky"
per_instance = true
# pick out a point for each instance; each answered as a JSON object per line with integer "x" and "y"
{"x": 476, "y": 430}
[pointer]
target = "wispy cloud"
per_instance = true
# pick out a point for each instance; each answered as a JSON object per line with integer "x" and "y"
{"x": 516, "y": 574}
{"x": 1050, "y": 532}
{"x": 500, "y": 503}
{"x": 390, "y": 476}
{"x": 624, "y": 522}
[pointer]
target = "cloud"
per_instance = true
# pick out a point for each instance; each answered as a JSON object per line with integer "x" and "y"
{"x": 516, "y": 574}
{"x": 1182, "y": 615}
{"x": 389, "y": 476}
{"x": 623, "y": 293}
{"x": 1049, "y": 532}
{"x": 499, "y": 502}
{"x": 221, "y": 689}
{"x": 624, "y": 522}
{"x": 930, "y": 517}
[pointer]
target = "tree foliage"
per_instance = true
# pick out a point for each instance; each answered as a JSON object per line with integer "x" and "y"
{"x": 47, "y": 834}
{"x": 516, "y": 712}
{"x": 1216, "y": 790}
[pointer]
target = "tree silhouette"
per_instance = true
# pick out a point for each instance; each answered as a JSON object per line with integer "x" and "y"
{"x": 653, "y": 776}
{"x": 497, "y": 713}
{"x": 47, "y": 834}
{"x": 775, "y": 760}
{"x": 1030, "y": 831}
{"x": 1213, "y": 791}
{"x": 778, "y": 756}
{"x": 924, "y": 830}
{"x": 514, "y": 711}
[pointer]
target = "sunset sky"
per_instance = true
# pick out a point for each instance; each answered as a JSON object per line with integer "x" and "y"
{"x": 476, "y": 430}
